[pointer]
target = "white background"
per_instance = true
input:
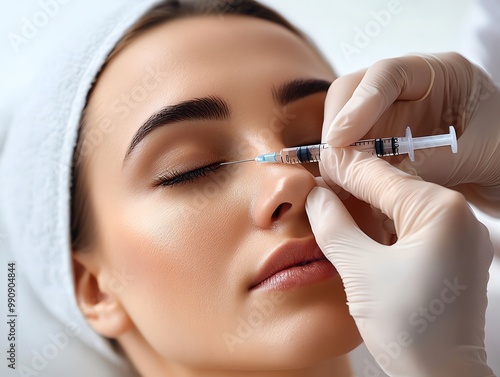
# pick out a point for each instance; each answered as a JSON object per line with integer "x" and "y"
{"x": 420, "y": 26}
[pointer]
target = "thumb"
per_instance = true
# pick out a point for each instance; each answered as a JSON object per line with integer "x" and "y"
{"x": 351, "y": 251}
{"x": 336, "y": 232}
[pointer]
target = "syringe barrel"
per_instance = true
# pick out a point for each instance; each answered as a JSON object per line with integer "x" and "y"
{"x": 387, "y": 146}
{"x": 302, "y": 154}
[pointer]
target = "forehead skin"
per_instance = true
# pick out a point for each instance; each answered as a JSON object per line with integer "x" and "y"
{"x": 230, "y": 56}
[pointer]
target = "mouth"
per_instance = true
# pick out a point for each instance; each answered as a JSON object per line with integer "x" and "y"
{"x": 294, "y": 264}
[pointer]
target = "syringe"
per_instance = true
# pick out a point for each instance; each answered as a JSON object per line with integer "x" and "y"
{"x": 389, "y": 146}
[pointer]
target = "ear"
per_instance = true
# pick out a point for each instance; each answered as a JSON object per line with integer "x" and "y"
{"x": 102, "y": 308}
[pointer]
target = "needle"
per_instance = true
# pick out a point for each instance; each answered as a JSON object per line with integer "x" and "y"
{"x": 237, "y": 162}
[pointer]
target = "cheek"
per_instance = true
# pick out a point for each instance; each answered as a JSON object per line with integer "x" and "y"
{"x": 178, "y": 254}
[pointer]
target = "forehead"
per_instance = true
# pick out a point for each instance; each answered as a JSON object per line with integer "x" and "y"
{"x": 231, "y": 56}
{"x": 205, "y": 48}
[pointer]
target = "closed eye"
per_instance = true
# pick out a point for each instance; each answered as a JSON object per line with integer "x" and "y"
{"x": 174, "y": 177}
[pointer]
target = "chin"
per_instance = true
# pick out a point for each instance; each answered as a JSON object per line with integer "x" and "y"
{"x": 321, "y": 331}
{"x": 310, "y": 326}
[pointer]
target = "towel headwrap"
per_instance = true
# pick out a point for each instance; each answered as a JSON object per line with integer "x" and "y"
{"x": 37, "y": 137}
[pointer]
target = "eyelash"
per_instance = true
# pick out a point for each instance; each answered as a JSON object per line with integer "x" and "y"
{"x": 175, "y": 178}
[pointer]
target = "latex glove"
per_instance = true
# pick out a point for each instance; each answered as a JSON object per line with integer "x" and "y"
{"x": 420, "y": 303}
{"x": 428, "y": 93}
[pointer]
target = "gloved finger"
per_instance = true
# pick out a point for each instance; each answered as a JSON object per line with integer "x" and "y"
{"x": 339, "y": 93}
{"x": 406, "y": 199}
{"x": 388, "y": 80}
{"x": 341, "y": 193}
{"x": 336, "y": 232}
{"x": 358, "y": 259}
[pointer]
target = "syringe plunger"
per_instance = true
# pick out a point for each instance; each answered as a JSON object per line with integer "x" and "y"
{"x": 409, "y": 144}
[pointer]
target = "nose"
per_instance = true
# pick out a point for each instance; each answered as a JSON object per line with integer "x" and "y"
{"x": 282, "y": 193}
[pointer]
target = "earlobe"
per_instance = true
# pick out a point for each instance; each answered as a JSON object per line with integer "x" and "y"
{"x": 102, "y": 309}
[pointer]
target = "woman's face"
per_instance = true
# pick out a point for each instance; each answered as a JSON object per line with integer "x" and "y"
{"x": 182, "y": 258}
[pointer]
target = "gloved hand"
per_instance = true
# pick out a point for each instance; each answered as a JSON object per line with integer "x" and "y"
{"x": 420, "y": 303}
{"x": 428, "y": 93}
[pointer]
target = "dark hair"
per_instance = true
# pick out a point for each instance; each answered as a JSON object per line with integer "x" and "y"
{"x": 82, "y": 231}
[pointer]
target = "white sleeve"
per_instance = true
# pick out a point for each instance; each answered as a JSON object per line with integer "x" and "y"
{"x": 481, "y": 36}
{"x": 481, "y": 45}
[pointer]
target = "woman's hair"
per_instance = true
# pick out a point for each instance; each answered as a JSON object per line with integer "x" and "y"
{"x": 82, "y": 232}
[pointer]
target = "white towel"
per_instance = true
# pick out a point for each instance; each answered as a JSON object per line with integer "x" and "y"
{"x": 60, "y": 46}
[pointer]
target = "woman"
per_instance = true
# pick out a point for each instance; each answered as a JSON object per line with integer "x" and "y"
{"x": 219, "y": 272}
{"x": 261, "y": 86}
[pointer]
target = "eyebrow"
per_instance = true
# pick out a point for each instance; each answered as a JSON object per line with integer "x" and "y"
{"x": 215, "y": 108}
{"x": 297, "y": 89}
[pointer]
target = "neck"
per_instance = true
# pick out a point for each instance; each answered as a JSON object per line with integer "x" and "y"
{"x": 150, "y": 364}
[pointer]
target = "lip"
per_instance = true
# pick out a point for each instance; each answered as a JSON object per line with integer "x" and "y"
{"x": 294, "y": 264}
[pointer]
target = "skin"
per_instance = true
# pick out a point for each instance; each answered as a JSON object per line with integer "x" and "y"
{"x": 169, "y": 274}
